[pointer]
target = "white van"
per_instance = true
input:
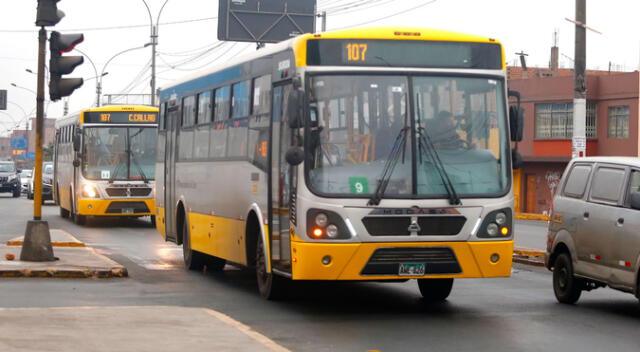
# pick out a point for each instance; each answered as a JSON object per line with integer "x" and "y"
{"x": 594, "y": 229}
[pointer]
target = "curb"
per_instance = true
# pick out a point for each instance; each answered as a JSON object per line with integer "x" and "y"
{"x": 66, "y": 273}
{"x": 54, "y": 244}
{"x": 528, "y": 256}
{"x": 530, "y": 216}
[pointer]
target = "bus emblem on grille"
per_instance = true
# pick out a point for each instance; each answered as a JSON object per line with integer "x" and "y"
{"x": 128, "y": 192}
{"x": 414, "y": 227}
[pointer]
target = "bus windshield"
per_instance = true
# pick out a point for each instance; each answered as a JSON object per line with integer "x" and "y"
{"x": 449, "y": 134}
{"x": 119, "y": 153}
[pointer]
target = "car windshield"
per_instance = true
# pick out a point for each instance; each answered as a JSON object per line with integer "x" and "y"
{"x": 26, "y": 173}
{"x": 458, "y": 135}
{"x": 119, "y": 153}
{"x": 48, "y": 169}
{"x": 7, "y": 168}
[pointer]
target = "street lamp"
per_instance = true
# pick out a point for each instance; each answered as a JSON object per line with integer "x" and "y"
{"x": 103, "y": 73}
{"x": 154, "y": 42}
{"x": 25, "y": 88}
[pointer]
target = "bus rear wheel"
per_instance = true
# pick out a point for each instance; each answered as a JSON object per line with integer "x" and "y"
{"x": 271, "y": 286}
{"x": 435, "y": 290}
{"x": 192, "y": 260}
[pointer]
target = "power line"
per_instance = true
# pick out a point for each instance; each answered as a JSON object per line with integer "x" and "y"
{"x": 112, "y": 27}
{"x": 392, "y": 15}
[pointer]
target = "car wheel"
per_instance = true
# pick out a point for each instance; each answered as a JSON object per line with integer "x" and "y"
{"x": 16, "y": 193}
{"x": 271, "y": 286}
{"x": 566, "y": 286}
{"x": 435, "y": 290}
{"x": 193, "y": 260}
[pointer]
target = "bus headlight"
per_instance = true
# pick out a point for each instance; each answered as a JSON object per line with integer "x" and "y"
{"x": 496, "y": 224}
{"x": 326, "y": 225}
{"x": 322, "y": 219}
{"x": 89, "y": 191}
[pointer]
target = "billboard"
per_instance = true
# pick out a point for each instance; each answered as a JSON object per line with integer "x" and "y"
{"x": 18, "y": 143}
{"x": 265, "y": 21}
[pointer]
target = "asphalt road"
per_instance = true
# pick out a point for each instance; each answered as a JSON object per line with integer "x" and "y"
{"x": 511, "y": 314}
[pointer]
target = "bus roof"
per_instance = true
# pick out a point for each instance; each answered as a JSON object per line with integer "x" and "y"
{"x": 297, "y": 44}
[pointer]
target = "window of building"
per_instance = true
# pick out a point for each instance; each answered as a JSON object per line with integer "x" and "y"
{"x": 555, "y": 121}
{"x": 222, "y": 104}
{"x": 204, "y": 107}
{"x": 240, "y": 100}
{"x": 618, "y": 122}
{"x": 189, "y": 111}
{"x": 261, "y": 95}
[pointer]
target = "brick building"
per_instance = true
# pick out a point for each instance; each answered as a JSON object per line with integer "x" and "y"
{"x": 613, "y": 127}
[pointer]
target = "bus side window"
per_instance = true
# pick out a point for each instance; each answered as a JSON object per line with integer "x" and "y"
{"x": 162, "y": 124}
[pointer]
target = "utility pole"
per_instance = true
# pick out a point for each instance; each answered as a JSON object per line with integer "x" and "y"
{"x": 579, "y": 140}
{"x": 154, "y": 42}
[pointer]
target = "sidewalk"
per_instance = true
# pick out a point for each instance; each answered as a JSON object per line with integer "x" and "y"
{"x": 530, "y": 233}
{"x": 149, "y": 328}
{"x": 75, "y": 260}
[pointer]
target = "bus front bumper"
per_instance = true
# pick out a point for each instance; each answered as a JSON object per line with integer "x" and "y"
{"x": 382, "y": 261}
{"x": 116, "y": 207}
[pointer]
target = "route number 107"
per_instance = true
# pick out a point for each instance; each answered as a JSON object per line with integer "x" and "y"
{"x": 357, "y": 52}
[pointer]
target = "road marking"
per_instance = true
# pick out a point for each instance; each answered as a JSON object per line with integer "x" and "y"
{"x": 267, "y": 342}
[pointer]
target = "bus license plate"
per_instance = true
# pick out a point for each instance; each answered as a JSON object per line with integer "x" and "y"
{"x": 411, "y": 269}
{"x": 127, "y": 210}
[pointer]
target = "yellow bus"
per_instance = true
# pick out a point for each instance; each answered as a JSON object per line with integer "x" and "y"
{"x": 362, "y": 154}
{"x": 104, "y": 162}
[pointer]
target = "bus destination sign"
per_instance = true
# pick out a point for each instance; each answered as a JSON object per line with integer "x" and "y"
{"x": 127, "y": 117}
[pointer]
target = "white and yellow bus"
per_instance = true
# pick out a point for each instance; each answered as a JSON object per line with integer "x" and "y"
{"x": 104, "y": 162}
{"x": 364, "y": 154}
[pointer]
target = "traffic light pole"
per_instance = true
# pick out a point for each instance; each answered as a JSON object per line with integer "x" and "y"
{"x": 37, "y": 178}
{"x": 36, "y": 245}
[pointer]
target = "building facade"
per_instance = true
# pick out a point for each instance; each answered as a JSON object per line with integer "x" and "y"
{"x": 612, "y": 128}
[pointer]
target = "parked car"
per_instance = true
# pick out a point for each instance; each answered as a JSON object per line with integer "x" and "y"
{"x": 9, "y": 178}
{"x": 25, "y": 177}
{"x": 593, "y": 239}
{"x": 47, "y": 181}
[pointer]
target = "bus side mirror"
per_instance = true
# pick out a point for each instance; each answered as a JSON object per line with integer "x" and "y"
{"x": 516, "y": 123}
{"x": 76, "y": 142}
{"x": 76, "y": 163}
{"x": 516, "y": 118}
{"x": 294, "y": 109}
{"x": 294, "y": 156}
{"x": 635, "y": 200}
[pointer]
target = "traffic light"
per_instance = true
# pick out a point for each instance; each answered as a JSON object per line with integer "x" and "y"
{"x": 61, "y": 65}
{"x": 48, "y": 13}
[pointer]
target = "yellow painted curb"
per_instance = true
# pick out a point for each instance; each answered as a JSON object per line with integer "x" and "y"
{"x": 54, "y": 244}
{"x": 529, "y": 216}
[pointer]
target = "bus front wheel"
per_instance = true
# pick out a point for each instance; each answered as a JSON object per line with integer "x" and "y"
{"x": 435, "y": 290}
{"x": 192, "y": 260}
{"x": 270, "y": 285}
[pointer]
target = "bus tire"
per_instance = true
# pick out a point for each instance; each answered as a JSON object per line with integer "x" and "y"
{"x": 435, "y": 290}
{"x": 566, "y": 286}
{"x": 63, "y": 212}
{"x": 75, "y": 217}
{"x": 153, "y": 221}
{"x": 193, "y": 260}
{"x": 271, "y": 286}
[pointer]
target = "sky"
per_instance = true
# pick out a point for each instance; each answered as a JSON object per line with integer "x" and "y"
{"x": 188, "y": 38}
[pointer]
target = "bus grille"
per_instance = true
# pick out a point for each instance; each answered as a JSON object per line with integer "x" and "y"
{"x": 132, "y": 192}
{"x": 437, "y": 260}
{"x": 127, "y": 208}
{"x": 399, "y": 226}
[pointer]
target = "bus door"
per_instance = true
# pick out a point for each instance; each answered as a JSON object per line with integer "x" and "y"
{"x": 281, "y": 178}
{"x": 169, "y": 174}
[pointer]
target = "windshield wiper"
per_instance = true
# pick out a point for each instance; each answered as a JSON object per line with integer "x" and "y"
{"x": 426, "y": 144}
{"x": 115, "y": 172}
{"x": 392, "y": 160}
